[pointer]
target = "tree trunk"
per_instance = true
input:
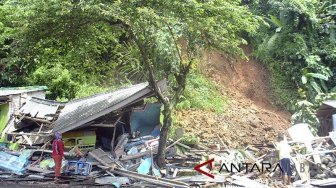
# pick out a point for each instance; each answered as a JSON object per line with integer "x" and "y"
{"x": 167, "y": 122}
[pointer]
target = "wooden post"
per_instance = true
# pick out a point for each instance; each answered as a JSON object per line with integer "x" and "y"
{"x": 114, "y": 132}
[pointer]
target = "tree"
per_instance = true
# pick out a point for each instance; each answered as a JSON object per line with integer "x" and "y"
{"x": 167, "y": 37}
{"x": 171, "y": 37}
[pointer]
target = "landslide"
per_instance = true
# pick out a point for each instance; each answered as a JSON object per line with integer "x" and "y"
{"x": 249, "y": 117}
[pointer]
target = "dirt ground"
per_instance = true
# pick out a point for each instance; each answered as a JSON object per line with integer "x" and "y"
{"x": 250, "y": 117}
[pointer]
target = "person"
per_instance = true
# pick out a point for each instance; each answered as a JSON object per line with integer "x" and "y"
{"x": 58, "y": 154}
{"x": 284, "y": 151}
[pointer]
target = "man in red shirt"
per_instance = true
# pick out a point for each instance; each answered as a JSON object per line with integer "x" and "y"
{"x": 57, "y": 154}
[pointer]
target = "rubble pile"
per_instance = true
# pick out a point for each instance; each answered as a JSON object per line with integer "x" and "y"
{"x": 132, "y": 163}
{"x": 113, "y": 138}
{"x": 326, "y": 170}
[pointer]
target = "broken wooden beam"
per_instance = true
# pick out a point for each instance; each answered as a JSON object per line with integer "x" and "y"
{"x": 36, "y": 169}
{"x": 102, "y": 125}
{"x": 114, "y": 132}
{"x": 139, "y": 155}
{"x": 246, "y": 182}
{"x": 173, "y": 144}
{"x": 30, "y": 134}
{"x": 320, "y": 152}
{"x": 103, "y": 158}
{"x": 33, "y": 119}
{"x": 98, "y": 154}
{"x": 151, "y": 179}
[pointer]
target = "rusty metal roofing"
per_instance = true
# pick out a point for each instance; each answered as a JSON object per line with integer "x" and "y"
{"x": 78, "y": 112}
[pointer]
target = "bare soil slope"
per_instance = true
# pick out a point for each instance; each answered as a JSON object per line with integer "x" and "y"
{"x": 250, "y": 117}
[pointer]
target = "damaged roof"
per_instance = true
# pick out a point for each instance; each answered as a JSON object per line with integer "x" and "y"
{"x": 327, "y": 108}
{"x": 76, "y": 113}
{"x": 41, "y": 108}
{"x": 4, "y": 91}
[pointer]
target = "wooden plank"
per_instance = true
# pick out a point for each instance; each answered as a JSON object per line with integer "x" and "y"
{"x": 305, "y": 176}
{"x": 33, "y": 119}
{"x": 319, "y": 152}
{"x": 36, "y": 169}
{"x": 134, "y": 175}
{"x": 313, "y": 139}
{"x": 151, "y": 179}
{"x": 28, "y": 140}
{"x": 171, "y": 145}
{"x": 114, "y": 133}
{"x": 202, "y": 178}
{"x": 246, "y": 182}
{"x": 222, "y": 142}
{"x": 102, "y": 125}
{"x": 138, "y": 155}
{"x": 29, "y": 134}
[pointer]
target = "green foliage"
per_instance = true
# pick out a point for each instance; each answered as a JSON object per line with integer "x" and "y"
{"x": 314, "y": 76}
{"x": 201, "y": 93}
{"x": 60, "y": 33}
{"x": 304, "y": 113}
{"x": 305, "y": 110}
{"x": 86, "y": 89}
{"x": 58, "y": 79}
{"x": 191, "y": 140}
{"x": 282, "y": 87}
{"x": 299, "y": 47}
{"x": 95, "y": 40}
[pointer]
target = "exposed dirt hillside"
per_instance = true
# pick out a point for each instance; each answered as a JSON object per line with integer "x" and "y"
{"x": 250, "y": 117}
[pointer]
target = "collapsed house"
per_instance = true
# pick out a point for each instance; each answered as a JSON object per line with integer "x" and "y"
{"x": 88, "y": 121}
{"x": 12, "y": 99}
{"x": 112, "y": 139}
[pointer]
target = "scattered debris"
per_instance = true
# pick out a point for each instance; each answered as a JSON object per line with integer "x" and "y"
{"x": 113, "y": 139}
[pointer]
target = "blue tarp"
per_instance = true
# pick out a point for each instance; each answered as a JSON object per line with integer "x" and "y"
{"x": 145, "y": 120}
{"x": 14, "y": 163}
{"x": 145, "y": 166}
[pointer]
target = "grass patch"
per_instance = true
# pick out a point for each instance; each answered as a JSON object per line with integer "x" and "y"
{"x": 201, "y": 93}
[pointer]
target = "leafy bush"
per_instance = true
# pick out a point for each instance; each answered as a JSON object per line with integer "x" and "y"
{"x": 58, "y": 79}
{"x": 282, "y": 87}
{"x": 86, "y": 89}
{"x": 297, "y": 44}
{"x": 201, "y": 93}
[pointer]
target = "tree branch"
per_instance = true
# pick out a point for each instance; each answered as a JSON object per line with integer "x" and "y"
{"x": 175, "y": 43}
{"x": 148, "y": 65}
{"x": 181, "y": 79}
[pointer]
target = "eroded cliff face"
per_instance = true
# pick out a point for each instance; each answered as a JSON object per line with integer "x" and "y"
{"x": 249, "y": 117}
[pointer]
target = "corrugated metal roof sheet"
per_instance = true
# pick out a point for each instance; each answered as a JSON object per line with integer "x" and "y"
{"x": 326, "y": 108}
{"x": 41, "y": 108}
{"x": 78, "y": 112}
{"x": 17, "y": 90}
{"x": 330, "y": 103}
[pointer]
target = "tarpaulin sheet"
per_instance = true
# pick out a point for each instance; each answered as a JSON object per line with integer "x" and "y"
{"x": 146, "y": 119}
{"x": 14, "y": 163}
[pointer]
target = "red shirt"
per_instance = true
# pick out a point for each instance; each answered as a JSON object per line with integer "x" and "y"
{"x": 57, "y": 148}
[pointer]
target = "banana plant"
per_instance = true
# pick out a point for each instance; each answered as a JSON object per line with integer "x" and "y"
{"x": 315, "y": 76}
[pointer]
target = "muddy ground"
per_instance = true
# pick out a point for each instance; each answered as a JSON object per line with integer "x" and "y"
{"x": 250, "y": 117}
